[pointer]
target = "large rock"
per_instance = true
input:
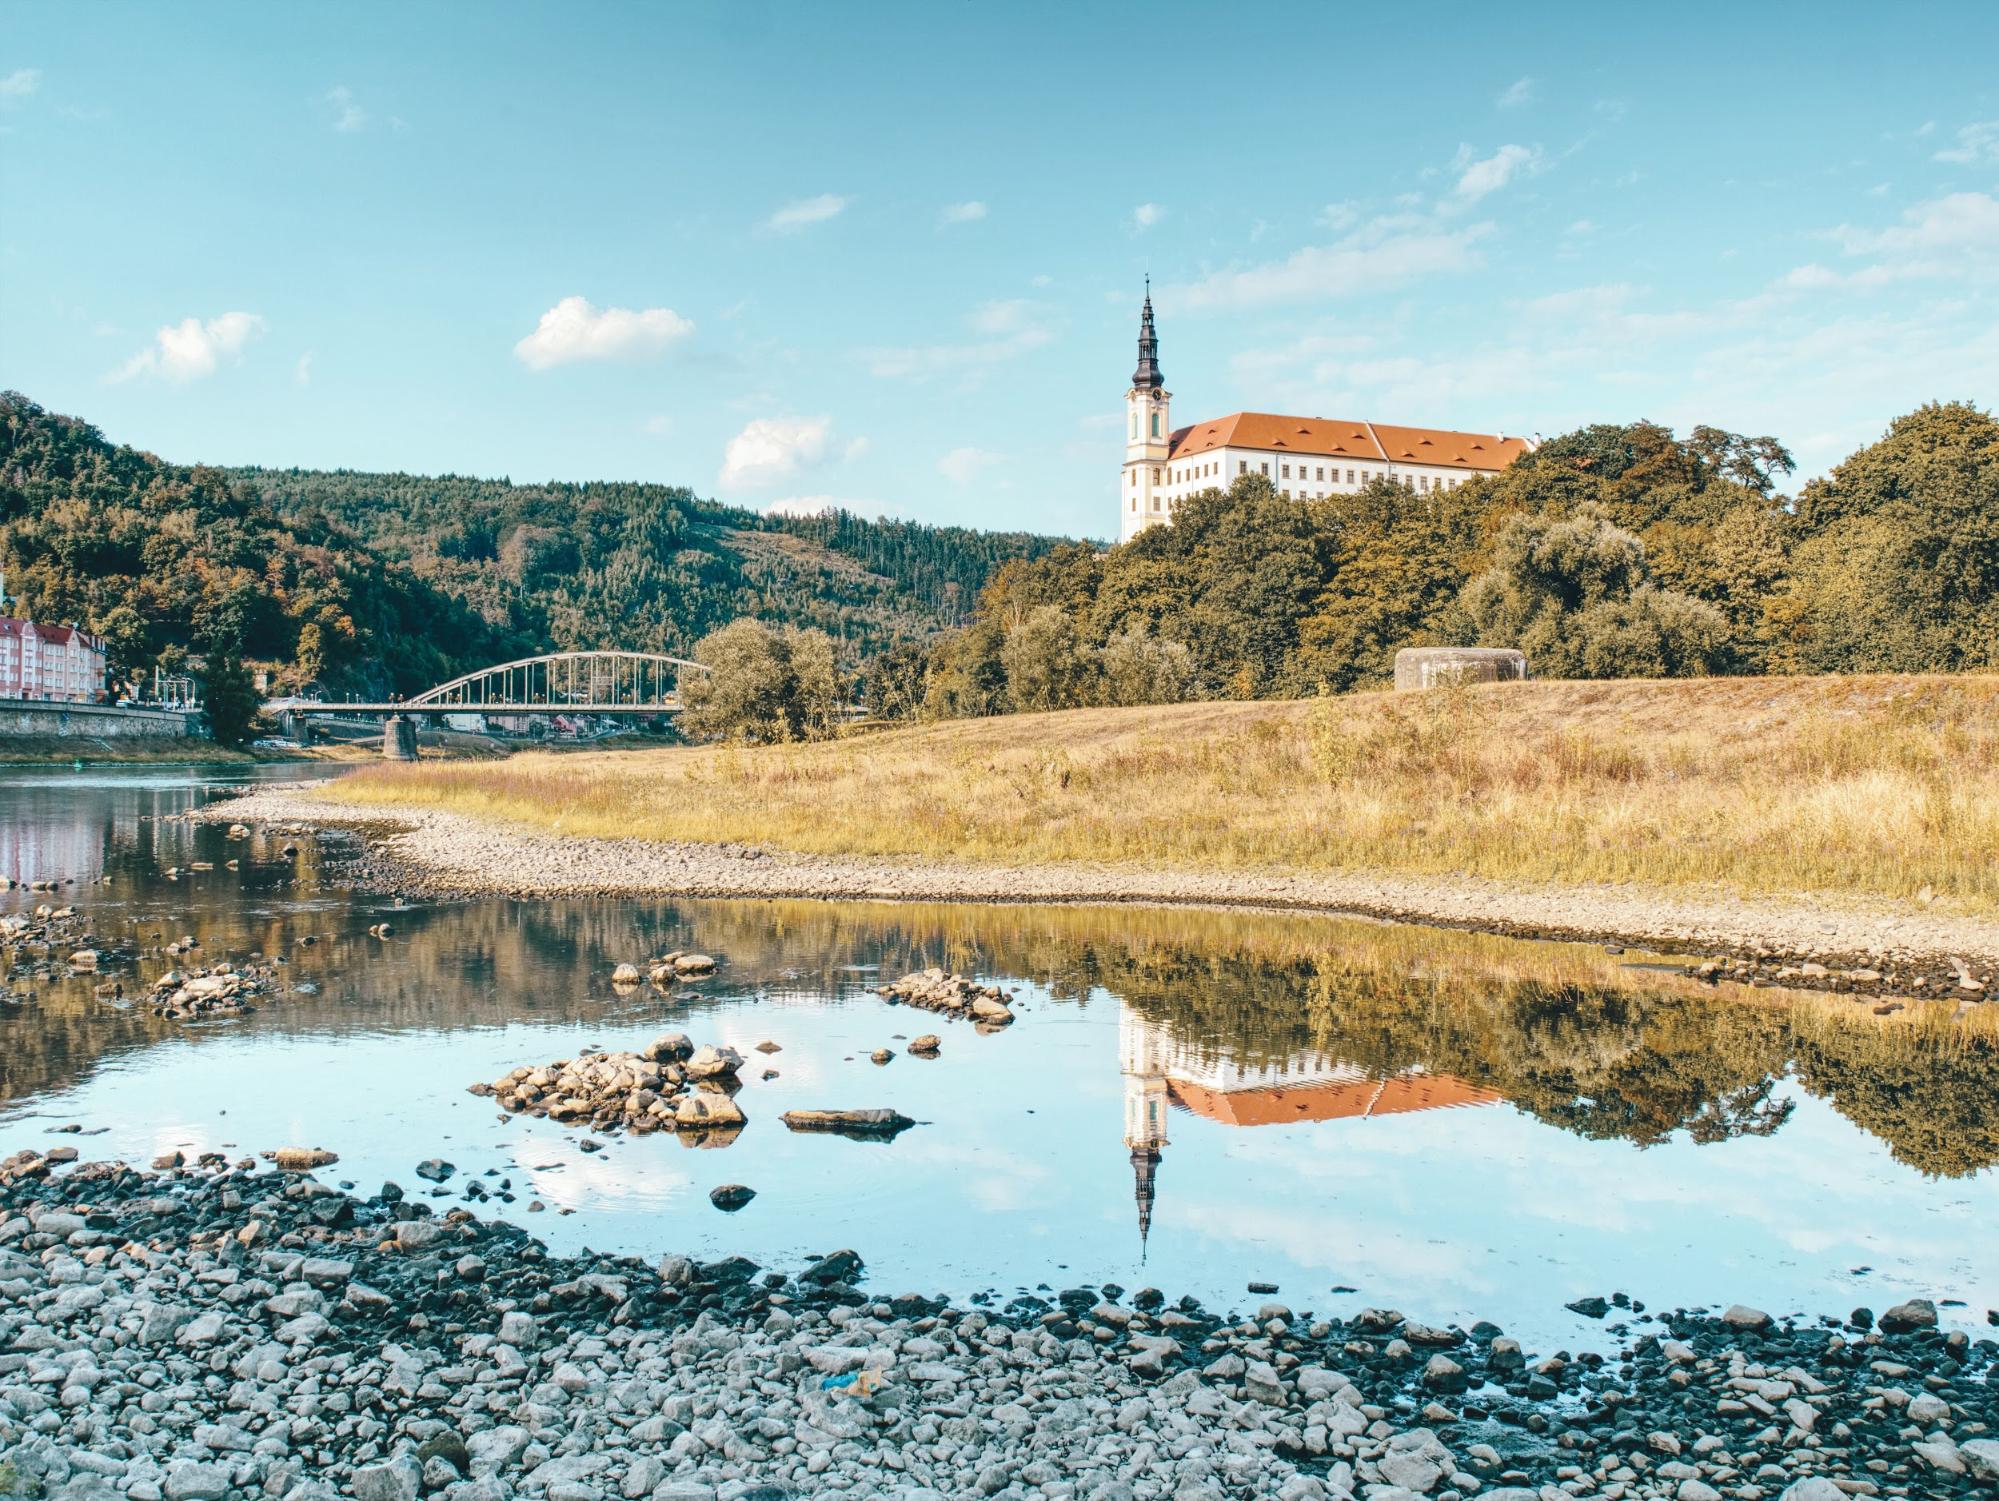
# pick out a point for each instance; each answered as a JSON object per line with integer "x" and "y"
{"x": 1907, "y": 1318}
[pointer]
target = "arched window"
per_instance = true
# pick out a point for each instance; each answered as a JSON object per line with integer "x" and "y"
{"x": 1155, "y": 424}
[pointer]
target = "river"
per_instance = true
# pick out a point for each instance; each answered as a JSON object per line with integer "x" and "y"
{"x": 1458, "y": 1126}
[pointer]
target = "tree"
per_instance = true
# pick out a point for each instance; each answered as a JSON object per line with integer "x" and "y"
{"x": 895, "y": 682}
{"x": 1136, "y": 668}
{"x": 763, "y": 685}
{"x": 230, "y": 696}
{"x": 1575, "y": 595}
{"x": 1045, "y": 664}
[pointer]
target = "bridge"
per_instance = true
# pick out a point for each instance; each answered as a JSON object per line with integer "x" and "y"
{"x": 628, "y": 684}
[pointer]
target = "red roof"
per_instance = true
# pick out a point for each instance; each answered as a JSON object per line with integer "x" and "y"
{"x": 1343, "y": 1100}
{"x": 1345, "y": 438}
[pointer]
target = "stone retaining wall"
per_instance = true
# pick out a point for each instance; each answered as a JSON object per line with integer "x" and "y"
{"x": 23, "y": 718}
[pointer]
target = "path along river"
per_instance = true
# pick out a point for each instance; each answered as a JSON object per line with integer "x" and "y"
{"x": 1459, "y": 1126}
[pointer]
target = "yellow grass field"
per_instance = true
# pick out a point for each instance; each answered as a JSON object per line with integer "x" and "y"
{"x": 1868, "y": 786}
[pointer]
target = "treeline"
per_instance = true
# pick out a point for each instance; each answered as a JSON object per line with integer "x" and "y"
{"x": 650, "y": 567}
{"x": 167, "y": 561}
{"x": 371, "y": 584}
{"x": 1614, "y": 551}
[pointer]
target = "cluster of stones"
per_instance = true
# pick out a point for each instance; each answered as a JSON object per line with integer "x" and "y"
{"x": 207, "y": 1334}
{"x": 987, "y": 1006}
{"x": 663, "y": 971}
{"x": 1946, "y": 979}
{"x": 670, "y": 1085}
{"x": 203, "y": 994}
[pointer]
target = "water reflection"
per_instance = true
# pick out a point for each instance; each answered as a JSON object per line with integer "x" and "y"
{"x": 1188, "y": 1097}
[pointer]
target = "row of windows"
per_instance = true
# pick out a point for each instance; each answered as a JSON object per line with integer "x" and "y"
{"x": 1189, "y": 472}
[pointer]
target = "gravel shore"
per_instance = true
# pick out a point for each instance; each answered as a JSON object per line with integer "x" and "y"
{"x": 422, "y": 852}
{"x": 232, "y": 1329}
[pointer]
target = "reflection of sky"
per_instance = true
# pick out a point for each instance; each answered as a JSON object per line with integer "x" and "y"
{"x": 1020, "y": 1174}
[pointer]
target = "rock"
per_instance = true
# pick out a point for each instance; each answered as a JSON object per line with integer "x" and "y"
{"x": 626, "y": 974}
{"x": 714, "y": 1063}
{"x": 881, "y": 1055}
{"x": 303, "y": 1159}
{"x": 436, "y": 1169}
{"x": 927, "y": 1046}
{"x": 1813, "y": 1488}
{"x": 951, "y": 995}
{"x": 693, "y": 964}
{"x": 1928, "y": 1409}
{"x": 1589, "y": 1308}
{"x": 1981, "y": 1458}
{"x": 387, "y": 1482}
{"x": 731, "y": 1196}
{"x": 1754, "y": 1320}
{"x": 703, "y": 1110}
{"x": 1443, "y": 1374}
{"x": 841, "y": 1266}
{"x": 187, "y": 1480}
{"x": 1907, "y": 1318}
{"x": 866, "y": 1123}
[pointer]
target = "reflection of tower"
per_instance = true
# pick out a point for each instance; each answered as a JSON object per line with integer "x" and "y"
{"x": 1142, "y": 1057}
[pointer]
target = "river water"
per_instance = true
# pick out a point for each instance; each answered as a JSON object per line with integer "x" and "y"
{"x": 1458, "y": 1126}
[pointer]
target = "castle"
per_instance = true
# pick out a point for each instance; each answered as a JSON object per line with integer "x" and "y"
{"x": 1307, "y": 458}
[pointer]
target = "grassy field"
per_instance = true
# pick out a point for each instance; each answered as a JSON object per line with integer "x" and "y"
{"x": 1873, "y": 786}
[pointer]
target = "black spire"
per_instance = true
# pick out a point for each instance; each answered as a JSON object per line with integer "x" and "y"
{"x": 1144, "y": 1171}
{"x": 1147, "y": 376}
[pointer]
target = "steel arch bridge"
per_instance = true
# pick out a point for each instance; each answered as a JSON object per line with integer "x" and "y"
{"x": 629, "y": 683}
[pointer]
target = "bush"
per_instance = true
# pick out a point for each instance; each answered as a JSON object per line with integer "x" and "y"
{"x": 762, "y": 685}
{"x": 1576, "y": 597}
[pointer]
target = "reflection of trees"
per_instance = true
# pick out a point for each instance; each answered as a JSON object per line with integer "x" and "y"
{"x": 1572, "y": 1035}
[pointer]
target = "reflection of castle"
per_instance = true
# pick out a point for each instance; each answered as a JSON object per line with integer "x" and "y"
{"x": 1161, "y": 1071}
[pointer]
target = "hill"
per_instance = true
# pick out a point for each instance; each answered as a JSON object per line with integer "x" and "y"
{"x": 652, "y": 567}
{"x": 369, "y": 583}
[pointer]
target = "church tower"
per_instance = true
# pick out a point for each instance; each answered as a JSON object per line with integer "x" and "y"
{"x": 1148, "y": 432}
{"x": 1142, "y": 1060}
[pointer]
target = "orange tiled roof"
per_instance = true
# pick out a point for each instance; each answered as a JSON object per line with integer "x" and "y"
{"x": 1344, "y": 1100}
{"x": 1339, "y": 437}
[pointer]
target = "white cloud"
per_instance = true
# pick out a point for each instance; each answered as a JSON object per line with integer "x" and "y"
{"x": 1147, "y": 214}
{"x": 575, "y": 330}
{"x": 20, "y": 83}
{"x": 347, "y": 112}
{"x": 1954, "y": 237}
{"x": 1977, "y": 142}
{"x": 1515, "y": 94}
{"x": 964, "y": 213}
{"x": 769, "y": 449}
{"x": 963, "y": 465}
{"x": 1008, "y": 328}
{"x": 190, "y": 349}
{"x": 1388, "y": 251}
{"x": 1489, "y": 175}
{"x": 803, "y": 505}
{"x": 1581, "y": 227}
{"x": 657, "y": 426}
{"x": 1339, "y": 216}
{"x": 302, "y": 371}
{"x": 805, "y": 212}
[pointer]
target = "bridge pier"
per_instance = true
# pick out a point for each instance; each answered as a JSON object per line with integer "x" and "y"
{"x": 398, "y": 738}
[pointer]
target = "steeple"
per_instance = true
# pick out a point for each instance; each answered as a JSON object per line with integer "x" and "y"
{"x": 1144, "y": 1171}
{"x": 1147, "y": 376}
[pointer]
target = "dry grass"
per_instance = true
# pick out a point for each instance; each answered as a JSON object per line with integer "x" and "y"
{"x": 1873, "y": 786}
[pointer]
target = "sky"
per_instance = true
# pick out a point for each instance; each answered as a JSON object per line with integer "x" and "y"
{"x": 890, "y": 256}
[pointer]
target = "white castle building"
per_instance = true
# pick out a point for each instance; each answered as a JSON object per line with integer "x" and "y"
{"x": 1306, "y": 458}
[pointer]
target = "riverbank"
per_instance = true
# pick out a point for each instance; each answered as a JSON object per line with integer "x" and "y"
{"x": 1872, "y": 789}
{"x": 1805, "y": 942}
{"x": 233, "y": 1329}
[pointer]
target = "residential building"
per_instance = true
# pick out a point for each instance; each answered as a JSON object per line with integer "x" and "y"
{"x": 54, "y": 662}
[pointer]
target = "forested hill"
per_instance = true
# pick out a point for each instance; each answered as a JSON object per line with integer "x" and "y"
{"x": 650, "y": 566}
{"x": 370, "y": 583}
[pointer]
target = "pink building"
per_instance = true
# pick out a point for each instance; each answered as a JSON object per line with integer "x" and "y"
{"x": 56, "y": 662}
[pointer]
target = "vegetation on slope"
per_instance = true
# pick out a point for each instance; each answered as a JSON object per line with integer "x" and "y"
{"x": 1875, "y": 786}
{"x": 1614, "y": 551}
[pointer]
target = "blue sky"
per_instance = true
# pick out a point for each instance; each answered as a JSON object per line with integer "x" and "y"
{"x": 892, "y": 255}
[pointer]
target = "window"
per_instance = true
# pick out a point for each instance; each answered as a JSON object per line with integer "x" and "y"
{"x": 1320, "y": 473}
{"x": 1155, "y": 502}
{"x": 1134, "y": 477}
{"x": 1242, "y": 466}
{"x": 1155, "y": 476}
{"x": 1155, "y": 424}
{"x": 1134, "y": 502}
{"x": 1264, "y": 465}
{"x": 1350, "y": 476}
{"x": 1134, "y": 424}
{"x": 1285, "y": 493}
{"x": 1284, "y": 471}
